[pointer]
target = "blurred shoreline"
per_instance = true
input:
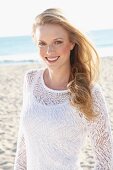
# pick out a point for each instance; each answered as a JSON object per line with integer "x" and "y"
{"x": 22, "y": 49}
{"x": 11, "y": 86}
{"x": 27, "y": 58}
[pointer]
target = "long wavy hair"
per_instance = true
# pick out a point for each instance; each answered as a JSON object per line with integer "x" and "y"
{"x": 84, "y": 61}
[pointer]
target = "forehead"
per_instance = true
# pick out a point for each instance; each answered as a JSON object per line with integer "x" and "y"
{"x": 51, "y": 31}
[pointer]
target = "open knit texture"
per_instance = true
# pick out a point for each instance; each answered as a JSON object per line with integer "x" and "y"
{"x": 52, "y": 132}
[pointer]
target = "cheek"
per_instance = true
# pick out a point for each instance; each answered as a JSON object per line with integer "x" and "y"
{"x": 65, "y": 50}
{"x": 41, "y": 52}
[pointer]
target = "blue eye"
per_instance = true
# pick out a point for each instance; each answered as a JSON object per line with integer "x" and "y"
{"x": 58, "y": 42}
{"x": 41, "y": 44}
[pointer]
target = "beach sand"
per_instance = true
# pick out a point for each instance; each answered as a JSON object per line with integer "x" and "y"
{"x": 11, "y": 84}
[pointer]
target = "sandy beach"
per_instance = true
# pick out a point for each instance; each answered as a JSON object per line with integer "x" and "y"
{"x": 11, "y": 84}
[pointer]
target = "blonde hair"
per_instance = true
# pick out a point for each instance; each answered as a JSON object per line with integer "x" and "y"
{"x": 84, "y": 61}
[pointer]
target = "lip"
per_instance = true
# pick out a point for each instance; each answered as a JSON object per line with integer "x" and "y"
{"x": 52, "y": 59}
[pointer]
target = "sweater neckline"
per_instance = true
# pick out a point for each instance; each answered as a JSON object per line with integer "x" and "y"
{"x": 49, "y": 89}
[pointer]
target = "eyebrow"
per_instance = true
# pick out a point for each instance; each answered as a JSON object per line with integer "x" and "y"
{"x": 58, "y": 38}
{"x": 53, "y": 39}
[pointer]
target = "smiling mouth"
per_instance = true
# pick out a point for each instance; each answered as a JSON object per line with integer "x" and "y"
{"x": 52, "y": 59}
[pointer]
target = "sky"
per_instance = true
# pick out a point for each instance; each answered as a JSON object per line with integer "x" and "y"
{"x": 16, "y": 16}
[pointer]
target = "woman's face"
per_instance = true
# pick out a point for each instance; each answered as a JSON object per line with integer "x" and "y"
{"x": 54, "y": 45}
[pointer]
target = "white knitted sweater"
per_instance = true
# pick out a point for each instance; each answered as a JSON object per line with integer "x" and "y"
{"x": 52, "y": 132}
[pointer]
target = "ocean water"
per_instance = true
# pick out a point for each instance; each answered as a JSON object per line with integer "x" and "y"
{"x": 23, "y": 49}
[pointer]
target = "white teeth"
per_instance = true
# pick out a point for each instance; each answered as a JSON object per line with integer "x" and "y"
{"x": 52, "y": 59}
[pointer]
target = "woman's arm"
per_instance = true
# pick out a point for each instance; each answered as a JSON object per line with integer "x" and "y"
{"x": 20, "y": 159}
{"x": 100, "y": 133}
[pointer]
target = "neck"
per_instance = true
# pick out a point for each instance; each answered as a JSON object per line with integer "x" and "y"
{"x": 57, "y": 79}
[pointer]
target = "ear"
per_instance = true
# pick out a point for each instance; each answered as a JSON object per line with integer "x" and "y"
{"x": 72, "y": 46}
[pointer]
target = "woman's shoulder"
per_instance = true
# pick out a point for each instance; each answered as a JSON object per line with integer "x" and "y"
{"x": 31, "y": 74}
{"x": 33, "y": 71}
{"x": 97, "y": 92}
{"x": 96, "y": 87}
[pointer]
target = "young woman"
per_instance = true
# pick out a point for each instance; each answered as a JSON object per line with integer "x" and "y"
{"x": 62, "y": 103}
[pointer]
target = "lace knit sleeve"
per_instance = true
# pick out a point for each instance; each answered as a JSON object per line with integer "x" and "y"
{"x": 20, "y": 159}
{"x": 100, "y": 133}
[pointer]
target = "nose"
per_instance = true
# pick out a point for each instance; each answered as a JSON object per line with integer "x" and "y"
{"x": 49, "y": 49}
